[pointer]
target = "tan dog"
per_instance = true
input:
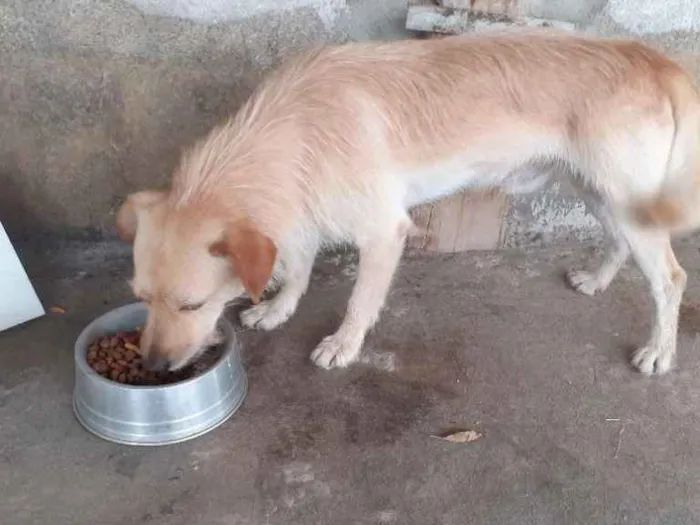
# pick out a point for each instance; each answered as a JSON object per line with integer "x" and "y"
{"x": 339, "y": 143}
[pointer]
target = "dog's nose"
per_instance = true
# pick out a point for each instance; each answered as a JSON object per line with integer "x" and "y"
{"x": 156, "y": 362}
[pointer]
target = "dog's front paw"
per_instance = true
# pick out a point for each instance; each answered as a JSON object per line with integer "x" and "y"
{"x": 653, "y": 359}
{"x": 584, "y": 282}
{"x": 267, "y": 315}
{"x": 336, "y": 352}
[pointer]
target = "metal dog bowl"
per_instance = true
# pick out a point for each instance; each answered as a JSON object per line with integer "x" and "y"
{"x": 154, "y": 415}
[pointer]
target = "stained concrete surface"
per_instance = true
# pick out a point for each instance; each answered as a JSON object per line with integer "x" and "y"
{"x": 492, "y": 342}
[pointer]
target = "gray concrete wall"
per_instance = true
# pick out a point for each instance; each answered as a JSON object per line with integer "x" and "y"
{"x": 98, "y": 98}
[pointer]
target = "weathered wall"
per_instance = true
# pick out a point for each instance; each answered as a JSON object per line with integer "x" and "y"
{"x": 97, "y": 98}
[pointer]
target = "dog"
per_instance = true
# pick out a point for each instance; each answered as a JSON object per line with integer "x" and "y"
{"x": 336, "y": 146}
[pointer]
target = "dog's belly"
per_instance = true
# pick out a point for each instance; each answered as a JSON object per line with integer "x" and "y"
{"x": 443, "y": 179}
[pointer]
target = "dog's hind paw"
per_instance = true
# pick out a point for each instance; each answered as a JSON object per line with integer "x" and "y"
{"x": 652, "y": 360}
{"x": 584, "y": 282}
{"x": 336, "y": 352}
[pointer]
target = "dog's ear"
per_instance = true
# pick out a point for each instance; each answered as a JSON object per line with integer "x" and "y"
{"x": 133, "y": 206}
{"x": 252, "y": 255}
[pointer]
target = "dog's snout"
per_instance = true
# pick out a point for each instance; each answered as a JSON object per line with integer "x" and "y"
{"x": 156, "y": 362}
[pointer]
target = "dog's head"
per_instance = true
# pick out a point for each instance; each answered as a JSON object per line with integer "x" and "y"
{"x": 188, "y": 263}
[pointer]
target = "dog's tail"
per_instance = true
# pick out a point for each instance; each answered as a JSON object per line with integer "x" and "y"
{"x": 677, "y": 206}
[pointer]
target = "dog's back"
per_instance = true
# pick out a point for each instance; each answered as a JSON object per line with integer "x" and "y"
{"x": 411, "y": 114}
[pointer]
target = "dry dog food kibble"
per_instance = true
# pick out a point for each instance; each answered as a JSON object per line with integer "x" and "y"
{"x": 117, "y": 357}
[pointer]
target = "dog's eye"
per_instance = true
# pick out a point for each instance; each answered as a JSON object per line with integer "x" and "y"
{"x": 191, "y": 307}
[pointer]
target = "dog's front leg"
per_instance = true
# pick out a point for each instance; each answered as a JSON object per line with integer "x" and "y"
{"x": 269, "y": 314}
{"x": 379, "y": 258}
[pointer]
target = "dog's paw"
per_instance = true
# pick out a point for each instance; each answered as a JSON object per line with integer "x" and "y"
{"x": 267, "y": 315}
{"x": 584, "y": 282}
{"x": 336, "y": 352}
{"x": 651, "y": 360}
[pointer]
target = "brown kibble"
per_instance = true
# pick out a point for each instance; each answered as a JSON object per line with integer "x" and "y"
{"x": 117, "y": 358}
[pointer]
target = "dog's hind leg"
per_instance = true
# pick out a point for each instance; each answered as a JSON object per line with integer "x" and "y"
{"x": 654, "y": 255}
{"x": 379, "y": 257}
{"x": 273, "y": 312}
{"x": 616, "y": 252}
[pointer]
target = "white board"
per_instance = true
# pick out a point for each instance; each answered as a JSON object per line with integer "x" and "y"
{"x": 18, "y": 300}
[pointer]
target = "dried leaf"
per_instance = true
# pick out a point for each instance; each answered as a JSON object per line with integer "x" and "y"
{"x": 463, "y": 436}
{"x": 57, "y": 310}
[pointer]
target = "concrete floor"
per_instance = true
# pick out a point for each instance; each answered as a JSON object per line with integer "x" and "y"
{"x": 492, "y": 342}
